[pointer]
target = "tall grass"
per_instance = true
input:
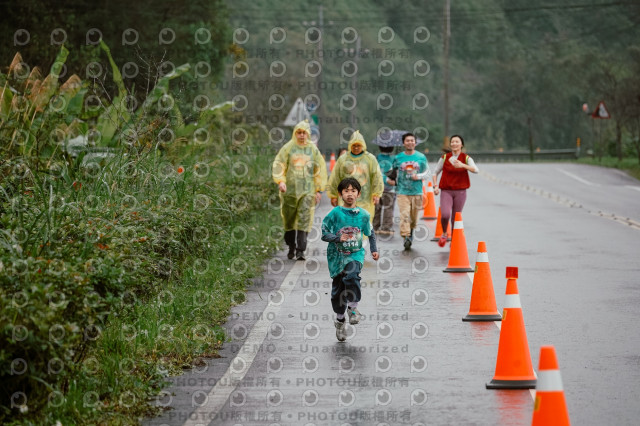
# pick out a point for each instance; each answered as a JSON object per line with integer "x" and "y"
{"x": 118, "y": 266}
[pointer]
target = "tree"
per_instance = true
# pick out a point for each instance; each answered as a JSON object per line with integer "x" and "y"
{"x": 147, "y": 39}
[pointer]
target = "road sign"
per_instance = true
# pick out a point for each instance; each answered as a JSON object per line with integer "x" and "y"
{"x": 297, "y": 114}
{"x": 601, "y": 111}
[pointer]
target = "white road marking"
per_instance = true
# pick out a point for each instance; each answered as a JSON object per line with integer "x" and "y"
{"x": 637, "y": 188}
{"x": 219, "y": 394}
{"x": 471, "y": 275}
{"x": 578, "y": 178}
{"x": 564, "y": 201}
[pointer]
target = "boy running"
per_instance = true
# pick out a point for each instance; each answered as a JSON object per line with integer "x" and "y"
{"x": 343, "y": 228}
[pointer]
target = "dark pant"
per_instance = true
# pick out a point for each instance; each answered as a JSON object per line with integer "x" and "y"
{"x": 383, "y": 218}
{"x": 346, "y": 287}
{"x": 296, "y": 240}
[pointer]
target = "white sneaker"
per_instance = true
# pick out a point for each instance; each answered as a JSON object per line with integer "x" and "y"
{"x": 341, "y": 330}
{"x": 354, "y": 316}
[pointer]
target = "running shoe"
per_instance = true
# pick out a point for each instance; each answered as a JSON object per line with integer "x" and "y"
{"x": 407, "y": 243}
{"x": 443, "y": 240}
{"x": 354, "y": 316}
{"x": 341, "y": 330}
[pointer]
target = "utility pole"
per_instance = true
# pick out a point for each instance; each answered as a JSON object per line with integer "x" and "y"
{"x": 319, "y": 78}
{"x": 447, "y": 35}
{"x": 320, "y": 56}
{"x": 354, "y": 80}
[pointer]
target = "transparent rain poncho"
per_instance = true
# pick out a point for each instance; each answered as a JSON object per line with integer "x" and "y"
{"x": 303, "y": 169}
{"x": 364, "y": 167}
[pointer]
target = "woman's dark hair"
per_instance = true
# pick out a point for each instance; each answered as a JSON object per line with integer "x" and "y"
{"x": 347, "y": 182}
{"x": 457, "y": 136}
{"x": 386, "y": 149}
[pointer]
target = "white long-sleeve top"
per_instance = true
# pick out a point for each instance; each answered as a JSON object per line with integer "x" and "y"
{"x": 470, "y": 162}
{"x": 428, "y": 173}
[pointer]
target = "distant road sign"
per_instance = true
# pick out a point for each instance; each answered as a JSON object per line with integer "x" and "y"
{"x": 297, "y": 114}
{"x": 601, "y": 111}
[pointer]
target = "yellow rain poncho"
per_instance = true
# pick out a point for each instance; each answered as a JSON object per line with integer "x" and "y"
{"x": 303, "y": 169}
{"x": 363, "y": 167}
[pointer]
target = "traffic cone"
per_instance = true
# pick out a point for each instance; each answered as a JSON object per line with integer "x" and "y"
{"x": 550, "y": 407}
{"x": 436, "y": 237}
{"x": 513, "y": 366}
{"x": 332, "y": 162}
{"x": 458, "y": 257}
{"x": 483, "y": 300}
{"x": 430, "y": 204}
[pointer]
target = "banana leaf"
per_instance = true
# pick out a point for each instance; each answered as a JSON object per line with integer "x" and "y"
{"x": 43, "y": 92}
{"x": 6, "y": 96}
{"x": 112, "y": 119}
{"x": 75, "y": 104}
{"x": 162, "y": 88}
{"x": 70, "y": 88}
{"x": 116, "y": 115}
{"x": 16, "y": 65}
{"x": 214, "y": 113}
{"x": 47, "y": 89}
{"x": 34, "y": 75}
{"x": 117, "y": 77}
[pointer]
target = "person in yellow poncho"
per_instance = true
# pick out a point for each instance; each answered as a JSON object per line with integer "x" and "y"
{"x": 301, "y": 174}
{"x": 363, "y": 166}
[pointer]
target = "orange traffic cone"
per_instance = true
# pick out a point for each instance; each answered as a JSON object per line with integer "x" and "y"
{"x": 430, "y": 203}
{"x": 332, "y": 162}
{"x": 436, "y": 237}
{"x": 513, "y": 366}
{"x": 458, "y": 257}
{"x": 483, "y": 300}
{"x": 550, "y": 408}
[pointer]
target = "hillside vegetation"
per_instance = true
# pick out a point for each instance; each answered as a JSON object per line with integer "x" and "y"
{"x": 520, "y": 72}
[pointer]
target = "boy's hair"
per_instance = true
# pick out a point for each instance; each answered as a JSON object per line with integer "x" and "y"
{"x": 406, "y": 135}
{"x": 347, "y": 182}
{"x": 386, "y": 149}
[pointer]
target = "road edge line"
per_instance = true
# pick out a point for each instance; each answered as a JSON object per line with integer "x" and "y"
{"x": 223, "y": 388}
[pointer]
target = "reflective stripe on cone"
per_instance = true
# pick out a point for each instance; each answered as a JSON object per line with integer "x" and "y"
{"x": 482, "y": 306}
{"x": 550, "y": 407}
{"x": 514, "y": 369}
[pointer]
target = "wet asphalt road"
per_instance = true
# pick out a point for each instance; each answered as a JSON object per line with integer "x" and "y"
{"x": 572, "y": 232}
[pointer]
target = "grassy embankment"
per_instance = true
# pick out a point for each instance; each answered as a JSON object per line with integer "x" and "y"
{"x": 631, "y": 166}
{"x": 118, "y": 269}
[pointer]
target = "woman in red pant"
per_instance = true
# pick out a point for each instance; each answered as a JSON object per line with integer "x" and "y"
{"x": 455, "y": 167}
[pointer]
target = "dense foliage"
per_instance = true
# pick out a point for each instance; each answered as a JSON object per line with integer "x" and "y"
{"x": 106, "y": 209}
{"x": 520, "y": 71}
{"x": 148, "y": 38}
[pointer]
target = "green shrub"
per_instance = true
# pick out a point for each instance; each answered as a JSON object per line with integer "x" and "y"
{"x": 91, "y": 242}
